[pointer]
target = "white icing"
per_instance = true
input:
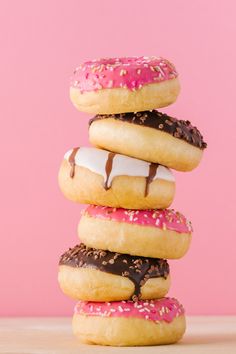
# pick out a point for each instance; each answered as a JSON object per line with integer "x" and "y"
{"x": 95, "y": 160}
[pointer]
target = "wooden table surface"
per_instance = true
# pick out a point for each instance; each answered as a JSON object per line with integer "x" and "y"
{"x": 53, "y": 336}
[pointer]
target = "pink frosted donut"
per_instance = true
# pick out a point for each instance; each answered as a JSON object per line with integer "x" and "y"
{"x": 130, "y": 323}
{"x": 117, "y": 85}
{"x": 158, "y": 233}
{"x": 165, "y": 219}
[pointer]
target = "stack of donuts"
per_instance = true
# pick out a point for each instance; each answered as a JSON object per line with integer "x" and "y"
{"x": 119, "y": 273}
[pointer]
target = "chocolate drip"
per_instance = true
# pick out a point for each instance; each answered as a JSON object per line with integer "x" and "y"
{"x": 137, "y": 269}
{"x": 152, "y": 173}
{"x": 108, "y": 168}
{"x": 72, "y": 161}
{"x": 178, "y": 128}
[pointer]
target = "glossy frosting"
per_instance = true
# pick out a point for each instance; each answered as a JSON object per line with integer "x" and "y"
{"x": 165, "y": 309}
{"x": 97, "y": 161}
{"x": 137, "y": 269}
{"x": 130, "y": 72}
{"x": 166, "y": 219}
{"x": 178, "y": 128}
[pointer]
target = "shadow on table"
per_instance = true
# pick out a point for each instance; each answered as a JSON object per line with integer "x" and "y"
{"x": 195, "y": 339}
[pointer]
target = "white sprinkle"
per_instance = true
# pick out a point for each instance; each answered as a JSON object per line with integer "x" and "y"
{"x": 120, "y": 309}
{"x": 123, "y": 72}
{"x": 110, "y": 84}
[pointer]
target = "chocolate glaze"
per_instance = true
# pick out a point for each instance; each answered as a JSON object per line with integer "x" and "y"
{"x": 152, "y": 173}
{"x": 181, "y": 129}
{"x": 72, "y": 161}
{"x": 108, "y": 168}
{"x": 137, "y": 269}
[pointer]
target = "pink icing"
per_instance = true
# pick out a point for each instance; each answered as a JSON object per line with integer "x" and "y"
{"x": 166, "y": 219}
{"x": 165, "y": 309}
{"x": 130, "y": 72}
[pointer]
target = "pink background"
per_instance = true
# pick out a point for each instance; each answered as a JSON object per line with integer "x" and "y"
{"x": 41, "y": 43}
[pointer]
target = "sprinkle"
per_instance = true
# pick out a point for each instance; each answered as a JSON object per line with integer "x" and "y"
{"x": 147, "y": 309}
{"x": 110, "y": 84}
{"x": 123, "y": 72}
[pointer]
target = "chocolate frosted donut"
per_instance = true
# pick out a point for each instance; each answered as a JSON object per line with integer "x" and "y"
{"x": 182, "y": 129}
{"x": 95, "y": 275}
{"x": 150, "y": 135}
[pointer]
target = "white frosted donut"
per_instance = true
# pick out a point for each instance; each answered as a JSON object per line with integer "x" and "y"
{"x": 151, "y": 136}
{"x": 95, "y": 176}
{"x": 127, "y": 323}
{"x": 95, "y": 275}
{"x": 148, "y": 233}
{"x": 116, "y": 85}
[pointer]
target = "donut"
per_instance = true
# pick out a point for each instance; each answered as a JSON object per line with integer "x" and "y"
{"x": 96, "y": 275}
{"x": 117, "y": 85}
{"x": 148, "y": 233}
{"x": 95, "y": 176}
{"x": 128, "y": 323}
{"x": 151, "y": 136}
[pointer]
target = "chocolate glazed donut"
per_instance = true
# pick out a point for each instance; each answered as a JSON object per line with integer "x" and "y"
{"x": 182, "y": 129}
{"x": 137, "y": 269}
{"x": 151, "y": 136}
